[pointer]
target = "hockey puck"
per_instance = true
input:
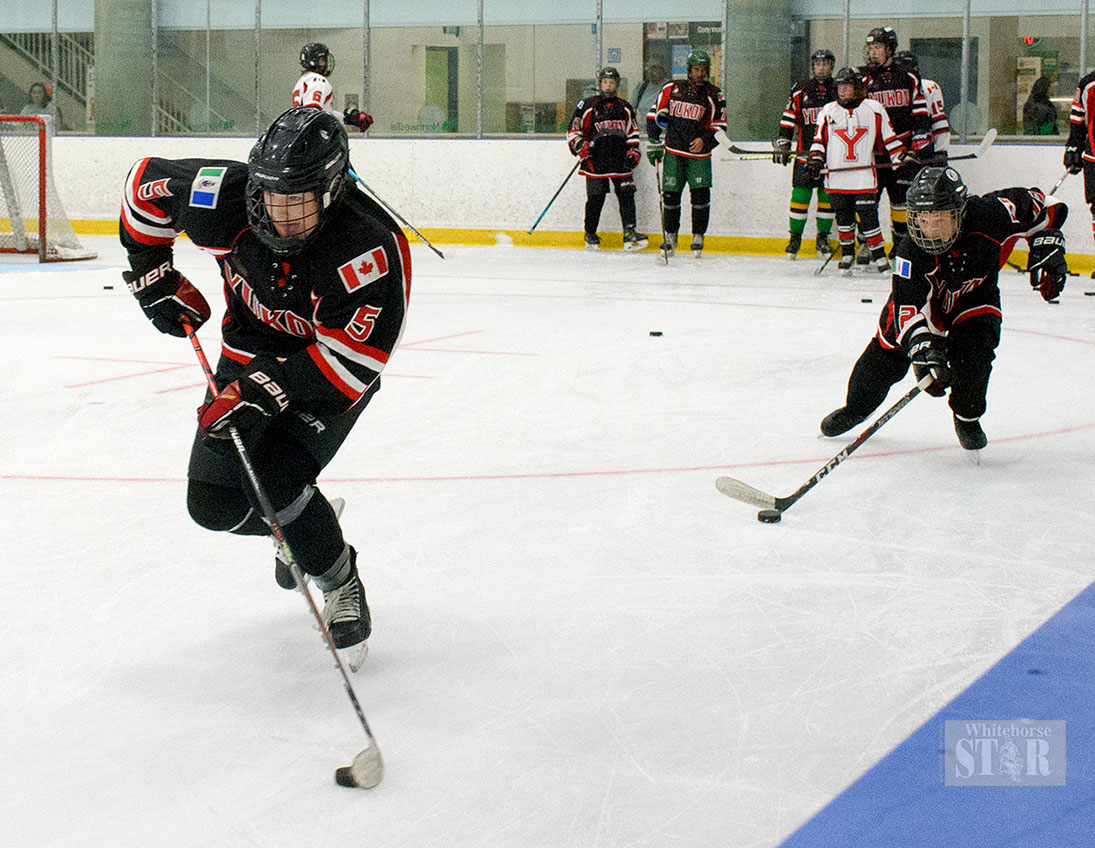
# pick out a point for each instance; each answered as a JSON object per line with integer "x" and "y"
{"x": 655, "y": 332}
{"x": 108, "y": 287}
{"x": 1090, "y": 294}
{"x": 769, "y": 516}
{"x": 865, "y": 300}
{"x": 344, "y": 776}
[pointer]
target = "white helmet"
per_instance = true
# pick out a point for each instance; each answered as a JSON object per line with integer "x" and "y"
{"x": 313, "y": 90}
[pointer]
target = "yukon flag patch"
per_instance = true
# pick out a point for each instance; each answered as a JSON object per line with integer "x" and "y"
{"x": 207, "y": 187}
{"x": 902, "y": 267}
{"x": 364, "y": 269}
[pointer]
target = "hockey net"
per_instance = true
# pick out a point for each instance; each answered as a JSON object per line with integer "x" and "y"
{"x": 32, "y": 219}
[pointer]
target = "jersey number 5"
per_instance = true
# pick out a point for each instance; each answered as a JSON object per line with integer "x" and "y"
{"x": 361, "y": 325}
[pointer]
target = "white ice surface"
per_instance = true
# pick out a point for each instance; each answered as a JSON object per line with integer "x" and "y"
{"x": 578, "y": 641}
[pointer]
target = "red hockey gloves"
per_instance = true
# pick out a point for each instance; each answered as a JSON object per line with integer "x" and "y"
{"x": 248, "y": 402}
{"x": 166, "y": 296}
{"x": 354, "y": 118}
{"x": 781, "y": 151}
{"x": 922, "y": 146}
{"x": 1074, "y": 158}
{"x": 1046, "y": 263}
{"x": 634, "y": 157}
{"x": 655, "y": 151}
{"x": 814, "y": 164}
{"x": 928, "y": 355}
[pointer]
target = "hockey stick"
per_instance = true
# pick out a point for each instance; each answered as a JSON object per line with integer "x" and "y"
{"x": 395, "y": 214}
{"x": 828, "y": 259}
{"x": 747, "y": 494}
{"x": 546, "y": 208}
{"x": 986, "y": 142}
{"x": 661, "y": 208}
{"x": 742, "y": 151}
{"x": 367, "y": 769}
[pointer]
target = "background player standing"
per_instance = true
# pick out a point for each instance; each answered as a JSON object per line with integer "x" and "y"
{"x": 604, "y": 134}
{"x": 933, "y": 96}
{"x": 314, "y": 88}
{"x": 851, "y": 131}
{"x": 943, "y": 314}
{"x": 1079, "y": 155}
{"x": 900, "y": 94}
{"x": 800, "y": 118}
{"x": 316, "y": 279}
{"x": 690, "y": 112}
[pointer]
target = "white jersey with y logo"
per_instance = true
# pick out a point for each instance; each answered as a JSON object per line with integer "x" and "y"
{"x": 847, "y": 139}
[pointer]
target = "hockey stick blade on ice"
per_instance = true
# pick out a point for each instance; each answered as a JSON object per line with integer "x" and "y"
{"x": 745, "y": 493}
{"x": 367, "y": 768}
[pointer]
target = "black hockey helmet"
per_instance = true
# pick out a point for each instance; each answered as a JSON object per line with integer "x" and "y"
{"x": 852, "y": 77}
{"x": 608, "y": 73}
{"x": 907, "y": 60}
{"x": 880, "y": 35}
{"x": 935, "y": 190}
{"x": 819, "y": 56}
{"x": 303, "y": 152}
{"x": 316, "y": 57}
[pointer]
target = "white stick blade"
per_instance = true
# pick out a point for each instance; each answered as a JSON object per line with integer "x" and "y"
{"x": 740, "y": 491}
{"x": 368, "y": 768}
{"x": 989, "y": 138}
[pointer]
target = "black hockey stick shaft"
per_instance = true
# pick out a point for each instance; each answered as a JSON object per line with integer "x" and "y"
{"x": 661, "y": 208}
{"x": 276, "y": 531}
{"x": 395, "y": 214}
{"x": 557, "y": 193}
{"x": 743, "y": 492}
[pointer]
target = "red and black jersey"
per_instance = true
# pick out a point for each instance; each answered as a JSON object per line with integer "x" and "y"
{"x": 901, "y": 95}
{"x": 1082, "y": 118}
{"x": 800, "y": 113}
{"x": 948, "y": 288}
{"x": 611, "y": 127}
{"x": 332, "y": 313}
{"x": 687, "y": 110}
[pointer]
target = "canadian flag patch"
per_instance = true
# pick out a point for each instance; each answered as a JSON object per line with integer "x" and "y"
{"x": 364, "y": 269}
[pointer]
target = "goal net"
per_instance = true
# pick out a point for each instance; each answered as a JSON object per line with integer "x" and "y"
{"x": 32, "y": 219}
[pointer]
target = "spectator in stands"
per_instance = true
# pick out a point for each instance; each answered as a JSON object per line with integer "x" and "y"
{"x": 1039, "y": 113}
{"x": 38, "y": 100}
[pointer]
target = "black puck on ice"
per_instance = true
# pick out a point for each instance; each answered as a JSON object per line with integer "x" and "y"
{"x": 344, "y": 776}
{"x": 108, "y": 287}
{"x": 865, "y": 300}
{"x": 1090, "y": 294}
{"x": 655, "y": 332}
{"x": 769, "y": 516}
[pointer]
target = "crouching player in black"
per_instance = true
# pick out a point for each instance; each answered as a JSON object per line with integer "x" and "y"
{"x": 316, "y": 279}
{"x": 943, "y": 314}
{"x": 604, "y": 134}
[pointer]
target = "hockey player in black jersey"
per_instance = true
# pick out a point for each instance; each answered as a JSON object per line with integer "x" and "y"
{"x": 690, "y": 111}
{"x": 798, "y": 124}
{"x": 316, "y": 278}
{"x": 604, "y": 134}
{"x": 1080, "y": 147}
{"x": 943, "y": 315}
{"x": 900, "y": 93}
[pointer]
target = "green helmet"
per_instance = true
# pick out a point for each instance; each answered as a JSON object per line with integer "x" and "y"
{"x": 699, "y": 57}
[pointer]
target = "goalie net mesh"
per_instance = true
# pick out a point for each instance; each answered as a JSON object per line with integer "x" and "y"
{"x": 32, "y": 219}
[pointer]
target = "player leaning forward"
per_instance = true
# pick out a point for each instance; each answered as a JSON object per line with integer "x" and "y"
{"x": 317, "y": 278}
{"x": 604, "y": 134}
{"x": 690, "y": 111}
{"x": 943, "y": 314}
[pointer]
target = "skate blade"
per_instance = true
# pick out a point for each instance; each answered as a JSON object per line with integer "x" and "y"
{"x": 792, "y": 256}
{"x": 698, "y": 254}
{"x": 354, "y": 657}
{"x": 974, "y": 456}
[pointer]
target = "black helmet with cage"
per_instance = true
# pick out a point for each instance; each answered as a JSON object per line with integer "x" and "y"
{"x": 316, "y": 57}
{"x": 822, "y": 57}
{"x": 850, "y": 77}
{"x": 297, "y": 171}
{"x": 936, "y": 190}
{"x": 880, "y": 35}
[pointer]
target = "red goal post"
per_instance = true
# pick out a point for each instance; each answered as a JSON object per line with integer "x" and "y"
{"x": 32, "y": 218}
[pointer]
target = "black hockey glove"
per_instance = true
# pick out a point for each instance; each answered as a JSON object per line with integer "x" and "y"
{"x": 814, "y": 164}
{"x": 166, "y": 296}
{"x": 781, "y": 151}
{"x": 922, "y": 147}
{"x": 248, "y": 402}
{"x": 1046, "y": 263}
{"x": 356, "y": 118}
{"x": 1074, "y": 158}
{"x": 928, "y": 355}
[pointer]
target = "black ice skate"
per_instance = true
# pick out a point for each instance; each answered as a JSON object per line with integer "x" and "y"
{"x": 346, "y": 612}
{"x": 970, "y": 434}
{"x": 822, "y": 245}
{"x": 840, "y": 420}
{"x": 593, "y": 241}
{"x": 669, "y": 246}
{"x": 282, "y": 573}
{"x": 793, "y": 245}
{"x": 697, "y": 246}
{"x": 634, "y": 240}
